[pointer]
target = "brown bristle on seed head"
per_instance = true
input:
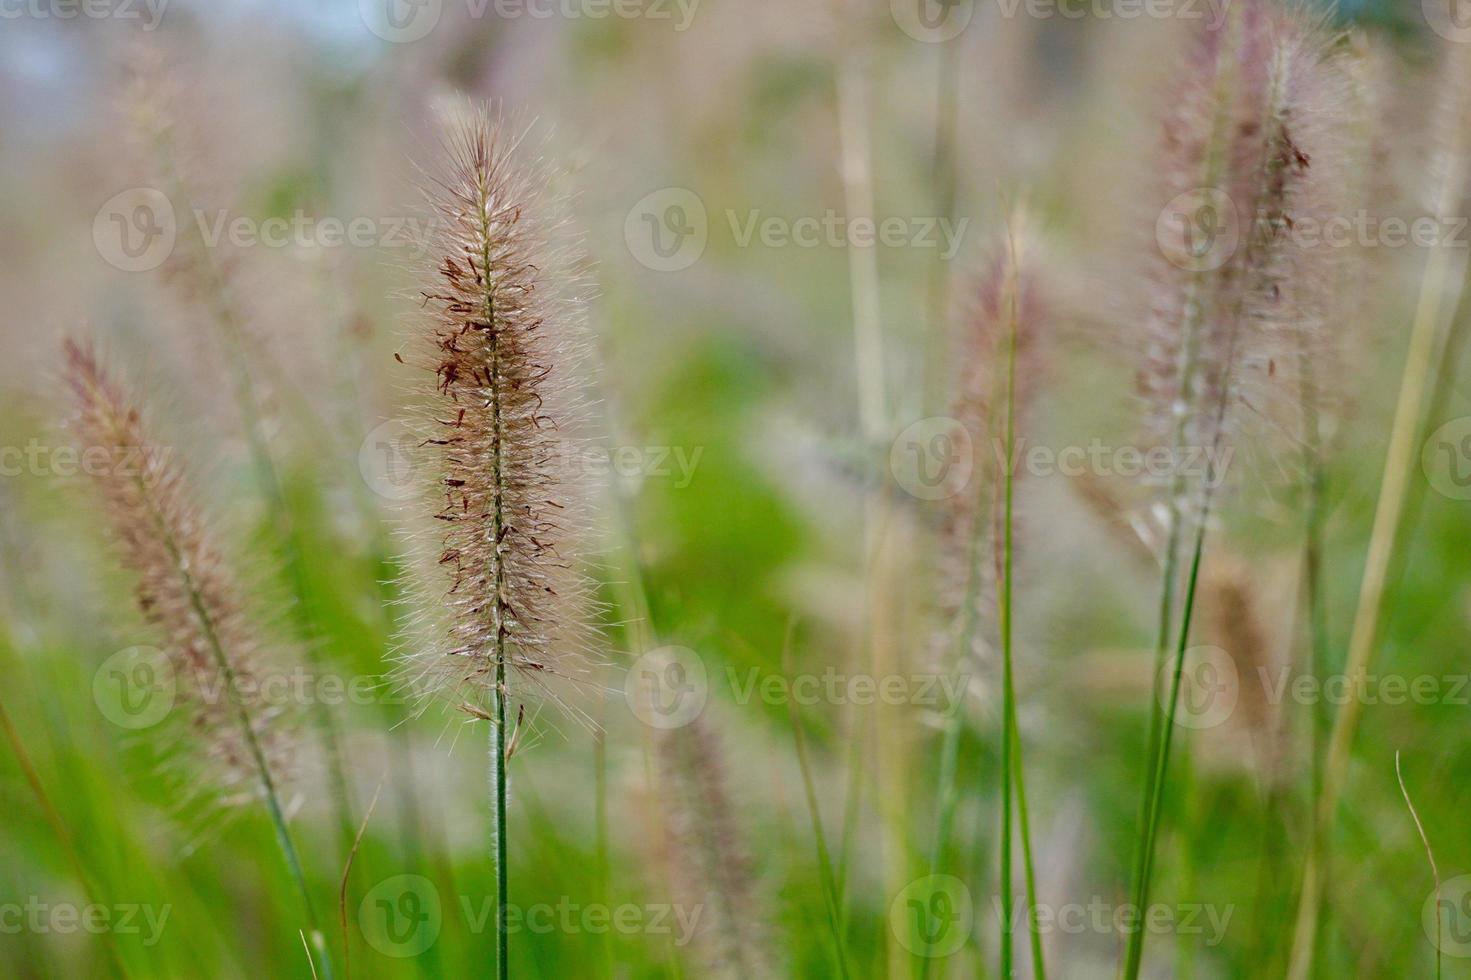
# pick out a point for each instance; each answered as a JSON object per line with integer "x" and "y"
{"x": 184, "y": 591}
{"x": 501, "y": 341}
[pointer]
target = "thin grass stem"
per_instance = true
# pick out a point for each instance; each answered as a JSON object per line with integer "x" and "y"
{"x": 1429, "y": 855}
{"x": 1442, "y": 275}
{"x": 830, "y": 889}
{"x": 1012, "y": 776}
{"x": 58, "y": 828}
{"x": 247, "y": 729}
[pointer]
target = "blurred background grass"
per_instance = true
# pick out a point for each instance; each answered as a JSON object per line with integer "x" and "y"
{"x": 746, "y": 358}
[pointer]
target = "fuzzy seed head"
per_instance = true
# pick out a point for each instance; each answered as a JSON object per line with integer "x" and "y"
{"x": 708, "y": 860}
{"x": 184, "y": 592}
{"x": 1005, "y": 307}
{"x": 1255, "y": 131}
{"x": 502, "y": 345}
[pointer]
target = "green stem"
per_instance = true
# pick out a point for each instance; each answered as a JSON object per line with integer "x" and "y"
{"x": 1167, "y": 735}
{"x": 498, "y": 817}
{"x": 830, "y": 893}
{"x": 1318, "y": 719}
{"x": 1012, "y": 773}
{"x": 498, "y": 754}
{"x": 1186, "y": 371}
{"x": 949, "y": 795}
{"x": 1039, "y": 969}
{"x": 242, "y": 717}
{"x": 58, "y": 828}
{"x": 1442, "y": 274}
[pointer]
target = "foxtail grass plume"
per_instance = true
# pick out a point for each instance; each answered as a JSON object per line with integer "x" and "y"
{"x": 1236, "y": 302}
{"x": 1232, "y": 598}
{"x": 709, "y": 866}
{"x": 1007, "y": 290}
{"x": 503, "y": 353}
{"x": 1251, "y": 148}
{"x": 237, "y": 745}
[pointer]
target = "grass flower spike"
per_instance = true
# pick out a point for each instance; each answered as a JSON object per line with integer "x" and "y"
{"x": 502, "y": 342}
{"x": 186, "y": 593}
{"x": 183, "y": 590}
{"x": 999, "y": 370}
{"x": 1235, "y": 304}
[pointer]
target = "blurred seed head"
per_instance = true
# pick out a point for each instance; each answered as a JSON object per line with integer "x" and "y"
{"x": 1005, "y": 301}
{"x": 184, "y": 591}
{"x": 706, "y": 857}
{"x": 1253, "y": 145}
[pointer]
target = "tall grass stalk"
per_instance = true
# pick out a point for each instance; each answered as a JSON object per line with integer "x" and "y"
{"x": 161, "y": 540}
{"x": 248, "y": 735}
{"x": 831, "y": 895}
{"x": 1441, "y": 284}
{"x": 1012, "y": 773}
{"x": 943, "y": 182}
{"x": 503, "y": 343}
{"x": 1262, "y": 77}
{"x": 949, "y": 791}
{"x": 882, "y": 557}
{"x": 352, "y": 854}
